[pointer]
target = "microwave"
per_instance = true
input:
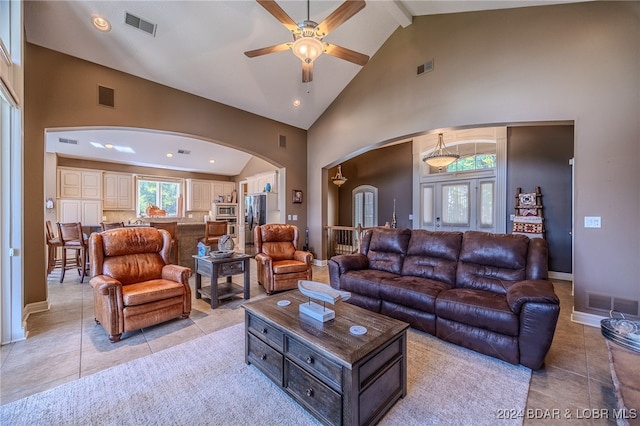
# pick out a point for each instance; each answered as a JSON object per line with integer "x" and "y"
{"x": 225, "y": 211}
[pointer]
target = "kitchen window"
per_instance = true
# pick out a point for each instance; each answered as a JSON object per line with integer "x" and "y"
{"x": 160, "y": 192}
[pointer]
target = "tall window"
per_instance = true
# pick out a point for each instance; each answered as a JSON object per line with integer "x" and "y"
{"x": 162, "y": 193}
{"x": 365, "y": 206}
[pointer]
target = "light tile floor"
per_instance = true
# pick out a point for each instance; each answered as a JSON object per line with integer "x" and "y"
{"x": 65, "y": 344}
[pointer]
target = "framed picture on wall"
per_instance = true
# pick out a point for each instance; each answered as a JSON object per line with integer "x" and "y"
{"x": 297, "y": 196}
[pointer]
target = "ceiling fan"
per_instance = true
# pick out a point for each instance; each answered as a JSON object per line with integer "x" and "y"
{"x": 308, "y": 36}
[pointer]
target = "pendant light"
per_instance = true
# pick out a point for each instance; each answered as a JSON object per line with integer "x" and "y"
{"x": 441, "y": 156}
{"x": 338, "y": 179}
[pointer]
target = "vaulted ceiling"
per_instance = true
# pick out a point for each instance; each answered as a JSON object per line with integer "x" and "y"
{"x": 198, "y": 47}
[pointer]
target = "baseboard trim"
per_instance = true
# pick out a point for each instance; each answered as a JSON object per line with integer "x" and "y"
{"x": 565, "y": 276}
{"x": 319, "y": 262}
{"x": 586, "y": 319}
{"x": 33, "y": 308}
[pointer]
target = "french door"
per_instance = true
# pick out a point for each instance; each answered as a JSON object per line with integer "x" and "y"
{"x": 459, "y": 205}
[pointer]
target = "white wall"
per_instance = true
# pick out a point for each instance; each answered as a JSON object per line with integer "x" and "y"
{"x": 578, "y": 62}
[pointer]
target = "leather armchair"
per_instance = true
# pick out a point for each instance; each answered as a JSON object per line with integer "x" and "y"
{"x": 280, "y": 263}
{"x": 134, "y": 283}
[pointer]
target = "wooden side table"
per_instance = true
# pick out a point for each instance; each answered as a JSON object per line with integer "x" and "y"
{"x": 225, "y": 267}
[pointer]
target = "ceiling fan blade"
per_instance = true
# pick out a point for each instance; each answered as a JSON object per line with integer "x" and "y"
{"x": 346, "y": 54}
{"x": 307, "y": 72}
{"x": 266, "y": 50}
{"x": 277, "y": 12}
{"x": 345, "y": 11}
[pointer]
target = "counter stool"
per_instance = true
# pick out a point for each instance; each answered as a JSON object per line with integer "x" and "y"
{"x": 72, "y": 239}
{"x": 53, "y": 243}
{"x": 172, "y": 227}
{"x": 111, "y": 225}
{"x": 212, "y": 232}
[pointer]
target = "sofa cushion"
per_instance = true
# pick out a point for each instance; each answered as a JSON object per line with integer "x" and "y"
{"x": 414, "y": 292}
{"x": 365, "y": 282}
{"x": 491, "y": 262}
{"x": 150, "y": 291}
{"x": 477, "y": 308}
{"x": 433, "y": 255}
{"x": 386, "y": 249}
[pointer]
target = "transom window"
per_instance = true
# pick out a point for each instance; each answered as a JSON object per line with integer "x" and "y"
{"x": 473, "y": 162}
{"x": 161, "y": 192}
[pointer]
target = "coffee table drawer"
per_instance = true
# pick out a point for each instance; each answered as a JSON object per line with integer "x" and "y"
{"x": 312, "y": 394}
{"x": 265, "y": 331}
{"x": 316, "y": 363}
{"x": 265, "y": 358}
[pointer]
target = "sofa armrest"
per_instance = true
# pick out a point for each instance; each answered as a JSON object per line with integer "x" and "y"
{"x": 341, "y": 264}
{"x": 351, "y": 262}
{"x": 176, "y": 273}
{"x": 536, "y": 291}
{"x": 303, "y": 256}
{"x": 104, "y": 284}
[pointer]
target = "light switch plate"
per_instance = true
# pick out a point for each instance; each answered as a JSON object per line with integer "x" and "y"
{"x": 592, "y": 221}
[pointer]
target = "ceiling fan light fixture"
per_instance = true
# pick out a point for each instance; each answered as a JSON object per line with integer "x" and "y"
{"x": 441, "y": 156}
{"x": 307, "y": 49}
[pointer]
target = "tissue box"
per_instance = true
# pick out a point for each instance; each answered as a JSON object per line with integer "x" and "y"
{"x": 203, "y": 250}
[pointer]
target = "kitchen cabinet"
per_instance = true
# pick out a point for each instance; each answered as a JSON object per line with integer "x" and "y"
{"x": 88, "y": 212}
{"x": 222, "y": 189}
{"x": 118, "y": 191}
{"x": 258, "y": 183}
{"x": 199, "y": 195}
{"x": 79, "y": 183}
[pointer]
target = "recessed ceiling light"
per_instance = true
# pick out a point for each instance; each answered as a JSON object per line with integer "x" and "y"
{"x": 101, "y": 23}
{"x": 108, "y": 146}
{"x": 212, "y": 161}
{"x": 169, "y": 155}
{"x": 296, "y": 103}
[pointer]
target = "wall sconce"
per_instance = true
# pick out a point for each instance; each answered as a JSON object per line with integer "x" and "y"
{"x": 338, "y": 179}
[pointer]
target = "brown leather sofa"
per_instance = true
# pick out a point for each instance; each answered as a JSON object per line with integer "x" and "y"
{"x": 487, "y": 292}
{"x": 134, "y": 284}
{"x": 280, "y": 264}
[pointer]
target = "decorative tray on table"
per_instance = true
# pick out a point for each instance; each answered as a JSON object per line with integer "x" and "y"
{"x": 221, "y": 254}
{"x": 622, "y": 331}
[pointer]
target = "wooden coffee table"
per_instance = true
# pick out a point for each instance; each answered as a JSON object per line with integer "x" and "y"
{"x": 339, "y": 377}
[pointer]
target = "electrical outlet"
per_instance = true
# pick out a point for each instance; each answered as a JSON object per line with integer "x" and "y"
{"x": 592, "y": 221}
{"x": 512, "y": 217}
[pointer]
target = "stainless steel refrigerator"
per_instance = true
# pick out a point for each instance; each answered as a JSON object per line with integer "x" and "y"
{"x": 259, "y": 209}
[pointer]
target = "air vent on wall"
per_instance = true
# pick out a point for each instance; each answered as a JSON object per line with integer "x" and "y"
{"x": 184, "y": 151}
{"x": 426, "y": 67}
{"x": 140, "y": 24}
{"x": 608, "y": 303}
{"x": 69, "y": 141}
{"x": 106, "y": 96}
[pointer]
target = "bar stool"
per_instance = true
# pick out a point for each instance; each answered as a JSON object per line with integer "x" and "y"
{"x": 111, "y": 225}
{"x": 172, "y": 227}
{"x": 72, "y": 239}
{"x": 53, "y": 243}
{"x": 212, "y": 233}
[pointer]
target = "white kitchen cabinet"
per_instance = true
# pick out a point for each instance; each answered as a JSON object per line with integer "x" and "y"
{"x": 258, "y": 183}
{"x": 199, "y": 195}
{"x": 79, "y": 183}
{"x": 118, "y": 191}
{"x": 88, "y": 212}
{"x": 222, "y": 189}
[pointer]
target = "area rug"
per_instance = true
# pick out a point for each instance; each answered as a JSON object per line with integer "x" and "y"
{"x": 206, "y": 382}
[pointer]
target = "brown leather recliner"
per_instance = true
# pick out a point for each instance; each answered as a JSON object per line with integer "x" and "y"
{"x": 280, "y": 263}
{"x": 134, "y": 284}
